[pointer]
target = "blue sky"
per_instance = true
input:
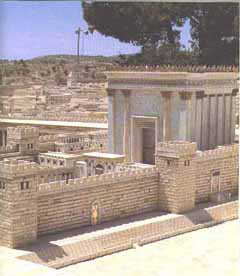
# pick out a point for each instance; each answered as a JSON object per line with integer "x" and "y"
{"x": 35, "y": 28}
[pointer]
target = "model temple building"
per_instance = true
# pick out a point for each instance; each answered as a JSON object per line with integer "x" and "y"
{"x": 148, "y": 107}
{"x": 170, "y": 146}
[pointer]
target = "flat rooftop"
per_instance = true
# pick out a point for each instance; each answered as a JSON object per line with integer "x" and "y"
{"x": 102, "y": 155}
{"x": 55, "y": 123}
{"x": 60, "y": 155}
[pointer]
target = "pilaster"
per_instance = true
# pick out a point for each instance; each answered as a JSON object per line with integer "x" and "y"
{"x": 199, "y": 118}
{"x": 166, "y": 96}
{"x": 187, "y": 98}
{"x": 126, "y": 133}
{"x": 111, "y": 121}
{"x": 233, "y": 115}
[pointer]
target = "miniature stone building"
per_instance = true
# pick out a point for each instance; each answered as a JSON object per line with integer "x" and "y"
{"x": 149, "y": 107}
{"x": 99, "y": 163}
{"x": 26, "y": 139}
{"x": 65, "y": 191}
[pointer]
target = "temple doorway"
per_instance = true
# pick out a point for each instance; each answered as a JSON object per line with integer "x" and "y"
{"x": 148, "y": 142}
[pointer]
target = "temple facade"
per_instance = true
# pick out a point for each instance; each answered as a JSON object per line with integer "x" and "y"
{"x": 150, "y": 107}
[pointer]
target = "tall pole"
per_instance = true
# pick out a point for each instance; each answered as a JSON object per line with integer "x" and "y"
{"x": 78, "y": 42}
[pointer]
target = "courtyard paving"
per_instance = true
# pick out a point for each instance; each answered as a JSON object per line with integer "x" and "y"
{"x": 205, "y": 252}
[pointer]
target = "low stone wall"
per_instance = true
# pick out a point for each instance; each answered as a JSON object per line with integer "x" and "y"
{"x": 129, "y": 237}
{"x": 224, "y": 160}
{"x": 64, "y": 206}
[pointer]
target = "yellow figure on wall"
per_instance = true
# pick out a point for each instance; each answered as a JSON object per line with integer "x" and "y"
{"x": 94, "y": 213}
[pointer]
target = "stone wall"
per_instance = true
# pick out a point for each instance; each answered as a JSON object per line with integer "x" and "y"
{"x": 65, "y": 206}
{"x": 186, "y": 176}
{"x": 79, "y": 249}
{"x": 225, "y": 160}
{"x": 181, "y": 178}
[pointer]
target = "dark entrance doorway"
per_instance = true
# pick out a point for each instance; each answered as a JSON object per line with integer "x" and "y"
{"x": 148, "y": 146}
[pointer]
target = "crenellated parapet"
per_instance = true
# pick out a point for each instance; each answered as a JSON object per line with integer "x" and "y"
{"x": 22, "y": 132}
{"x": 95, "y": 180}
{"x": 11, "y": 168}
{"x": 48, "y": 138}
{"x": 177, "y": 68}
{"x": 219, "y": 153}
{"x": 176, "y": 149}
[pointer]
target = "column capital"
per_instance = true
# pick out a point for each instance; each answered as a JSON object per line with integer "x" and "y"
{"x": 200, "y": 94}
{"x": 185, "y": 95}
{"x": 126, "y": 92}
{"x": 110, "y": 92}
{"x": 235, "y": 91}
{"x": 166, "y": 94}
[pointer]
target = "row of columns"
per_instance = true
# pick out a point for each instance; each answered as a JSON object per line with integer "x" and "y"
{"x": 215, "y": 119}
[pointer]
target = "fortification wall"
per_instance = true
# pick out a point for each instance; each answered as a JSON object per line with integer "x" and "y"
{"x": 223, "y": 159}
{"x": 65, "y": 206}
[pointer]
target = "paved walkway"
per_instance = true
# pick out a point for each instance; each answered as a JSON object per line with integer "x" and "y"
{"x": 206, "y": 252}
{"x": 88, "y": 243}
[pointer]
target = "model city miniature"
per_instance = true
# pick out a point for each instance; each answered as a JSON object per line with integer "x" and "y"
{"x": 150, "y": 114}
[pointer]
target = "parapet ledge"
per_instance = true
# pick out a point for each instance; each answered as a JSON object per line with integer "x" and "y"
{"x": 176, "y": 68}
{"x": 17, "y": 167}
{"x": 47, "y": 138}
{"x": 22, "y": 132}
{"x": 96, "y": 180}
{"x": 220, "y": 152}
{"x": 176, "y": 148}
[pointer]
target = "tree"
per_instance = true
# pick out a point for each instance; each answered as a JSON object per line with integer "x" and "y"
{"x": 214, "y": 31}
{"x": 214, "y": 27}
{"x": 137, "y": 23}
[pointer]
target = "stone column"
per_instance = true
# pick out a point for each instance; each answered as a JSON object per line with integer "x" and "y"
{"x": 198, "y": 120}
{"x": 205, "y": 123}
{"x": 233, "y": 115}
{"x": 126, "y": 133}
{"x": 166, "y": 115}
{"x": 4, "y": 135}
{"x": 187, "y": 98}
{"x": 1, "y": 138}
{"x": 213, "y": 121}
{"x": 228, "y": 118}
{"x": 111, "y": 121}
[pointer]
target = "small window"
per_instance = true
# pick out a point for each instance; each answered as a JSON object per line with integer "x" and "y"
{"x": 61, "y": 163}
{"x": 215, "y": 181}
{"x": 168, "y": 162}
{"x": 187, "y": 163}
{"x": 99, "y": 169}
{"x": 0, "y": 185}
{"x": 48, "y": 160}
{"x": 216, "y": 173}
{"x": 27, "y": 185}
{"x": 54, "y": 162}
{"x": 4, "y": 185}
{"x": 22, "y": 185}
